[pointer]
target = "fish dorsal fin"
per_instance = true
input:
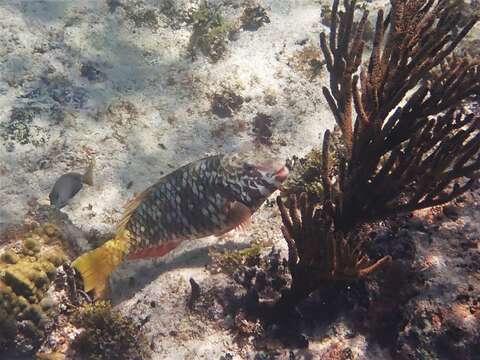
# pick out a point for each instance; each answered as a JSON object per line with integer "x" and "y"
{"x": 130, "y": 207}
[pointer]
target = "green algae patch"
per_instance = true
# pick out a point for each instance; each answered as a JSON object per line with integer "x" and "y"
{"x": 27, "y": 270}
{"x": 210, "y": 31}
{"x": 308, "y": 61}
{"x": 108, "y": 334}
{"x": 305, "y": 173}
{"x": 228, "y": 261}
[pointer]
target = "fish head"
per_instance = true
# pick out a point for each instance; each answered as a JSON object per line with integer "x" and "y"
{"x": 252, "y": 175}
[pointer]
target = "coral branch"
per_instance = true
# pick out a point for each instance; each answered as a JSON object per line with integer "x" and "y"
{"x": 410, "y": 146}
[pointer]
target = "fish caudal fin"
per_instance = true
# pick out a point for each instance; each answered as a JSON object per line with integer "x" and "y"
{"x": 96, "y": 265}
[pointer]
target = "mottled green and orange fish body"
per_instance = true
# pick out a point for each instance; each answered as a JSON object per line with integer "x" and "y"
{"x": 210, "y": 196}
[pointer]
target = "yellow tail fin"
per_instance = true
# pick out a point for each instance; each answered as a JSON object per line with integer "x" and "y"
{"x": 96, "y": 265}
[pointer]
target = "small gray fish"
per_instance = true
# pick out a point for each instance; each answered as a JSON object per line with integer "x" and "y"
{"x": 68, "y": 185}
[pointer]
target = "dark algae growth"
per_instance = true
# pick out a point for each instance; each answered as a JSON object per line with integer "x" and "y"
{"x": 108, "y": 334}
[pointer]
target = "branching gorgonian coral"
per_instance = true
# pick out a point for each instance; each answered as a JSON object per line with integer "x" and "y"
{"x": 409, "y": 143}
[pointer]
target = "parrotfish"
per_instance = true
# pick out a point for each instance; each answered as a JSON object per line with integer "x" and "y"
{"x": 210, "y": 196}
{"x": 68, "y": 185}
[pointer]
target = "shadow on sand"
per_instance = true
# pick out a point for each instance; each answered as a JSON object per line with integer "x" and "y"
{"x": 131, "y": 277}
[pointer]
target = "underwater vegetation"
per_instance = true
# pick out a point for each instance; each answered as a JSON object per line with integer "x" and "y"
{"x": 210, "y": 31}
{"x": 262, "y": 128}
{"x": 409, "y": 144}
{"x": 305, "y": 175}
{"x": 229, "y": 261}
{"x": 253, "y": 17}
{"x": 309, "y": 61}
{"x": 89, "y": 70}
{"x": 141, "y": 15}
{"x": 108, "y": 334}
{"x": 26, "y": 272}
{"x": 256, "y": 277}
{"x": 19, "y": 129}
{"x": 226, "y": 102}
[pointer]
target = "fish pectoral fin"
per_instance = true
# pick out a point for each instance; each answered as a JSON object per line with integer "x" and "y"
{"x": 238, "y": 215}
{"x": 155, "y": 251}
{"x": 243, "y": 225}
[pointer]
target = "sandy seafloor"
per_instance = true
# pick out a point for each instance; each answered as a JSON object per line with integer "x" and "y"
{"x": 44, "y": 45}
{"x": 85, "y": 79}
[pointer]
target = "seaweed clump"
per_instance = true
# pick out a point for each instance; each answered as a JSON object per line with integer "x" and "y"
{"x": 210, "y": 31}
{"x": 305, "y": 172}
{"x": 108, "y": 334}
{"x": 226, "y": 102}
{"x": 141, "y": 15}
{"x": 25, "y": 276}
{"x": 242, "y": 306}
{"x": 229, "y": 261}
{"x": 409, "y": 144}
{"x": 253, "y": 17}
{"x": 20, "y": 128}
{"x": 262, "y": 128}
{"x": 308, "y": 61}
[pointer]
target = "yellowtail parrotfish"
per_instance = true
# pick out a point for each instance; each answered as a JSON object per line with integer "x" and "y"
{"x": 210, "y": 196}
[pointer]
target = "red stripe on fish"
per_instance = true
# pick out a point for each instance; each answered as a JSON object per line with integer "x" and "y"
{"x": 210, "y": 196}
{"x": 155, "y": 251}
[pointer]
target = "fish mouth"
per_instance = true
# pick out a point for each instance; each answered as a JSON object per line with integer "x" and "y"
{"x": 282, "y": 174}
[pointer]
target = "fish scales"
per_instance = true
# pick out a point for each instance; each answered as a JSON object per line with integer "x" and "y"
{"x": 210, "y": 196}
{"x": 171, "y": 209}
